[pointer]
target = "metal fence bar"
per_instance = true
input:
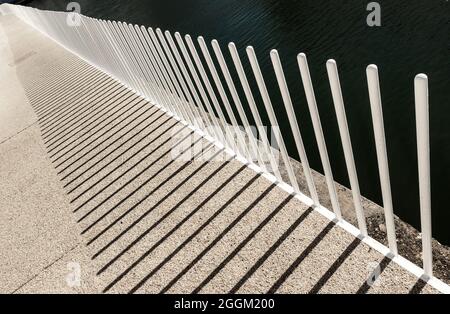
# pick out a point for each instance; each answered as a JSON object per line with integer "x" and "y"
{"x": 255, "y": 113}
{"x": 154, "y": 70}
{"x": 423, "y": 155}
{"x": 211, "y": 127}
{"x": 188, "y": 102}
{"x": 221, "y": 120}
{"x": 235, "y": 130}
{"x": 338, "y": 100}
{"x": 148, "y": 67}
{"x": 253, "y": 149}
{"x": 320, "y": 139}
{"x": 190, "y": 91}
{"x": 135, "y": 53}
{"x": 380, "y": 142}
{"x": 272, "y": 117}
{"x": 119, "y": 56}
{"x": 208, "y": 112}
{"x": 130, "y": 63}
{"x": 111, "y": 63}
{"x": 129, "y": 44}
{"x": 173, "y": 83}
{"x": 294, "y": 124}
{"x": 164, "y": 79}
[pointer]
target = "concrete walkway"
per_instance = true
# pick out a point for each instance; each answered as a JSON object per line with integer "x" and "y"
{"x": 91, "y": 188}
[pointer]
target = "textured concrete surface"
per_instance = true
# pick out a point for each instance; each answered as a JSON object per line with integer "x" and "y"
{"x": 94, "y": 187}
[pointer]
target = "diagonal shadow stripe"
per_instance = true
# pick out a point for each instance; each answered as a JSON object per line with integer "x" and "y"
{"x": 123, "y": 215}
{"x": 270, "y": 251}
{"x": 210, "y": 246}
{"x": 50, "y": 117}
{"x": 301, "y": 258}
{"x": 135, "y": 177}
{"x": 116, "y": 110}
{"x": 141, "y": 104}
{"x": 57, "y": 108}
{"x": 144, "y": 120}
{"x": 192, "y": 236}
{"x": 62, "y": 131}
{"x": 62, "y": 100}
{"x": 334, "y": 267}
{"x": 54, "y": 79}
{"x": 159, "y": 186}
{"x": 164, "y": 217}
{"x": 53, "y": 75}
{"x": 382, "y": 266}
{"x": 41, "y": 100}
{"x": 418, "y": 287}
{"x": 145, "y": 136}
{"x": 129, "y": 169}
{"x": 65, "y": 123}
{"x": 242, "y": 244}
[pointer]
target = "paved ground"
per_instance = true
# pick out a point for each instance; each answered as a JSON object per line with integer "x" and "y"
{"x": 89, "y": 177}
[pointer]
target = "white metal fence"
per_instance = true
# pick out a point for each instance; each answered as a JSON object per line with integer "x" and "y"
{"x": 167, "y": 70}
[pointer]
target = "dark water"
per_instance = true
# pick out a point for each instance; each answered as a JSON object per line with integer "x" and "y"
{"x": 413, "y": 38}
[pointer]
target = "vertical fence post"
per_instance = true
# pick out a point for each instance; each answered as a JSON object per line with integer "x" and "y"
{"x": 272, "y": 117}
{"x": 220, "y": 120}
{"x": 204, "y": 109}
{"x": 276, "y": 62}
{"x": 339, "y": 107}
{"x": 253, "y": 149}
{"x": 188, "y": 100}
{"x": 255, "y": 113}
{"x": 235, "y": 130}
{"x": 196, "y": 103}
{"x": 380, "y": 143}
{"x": 317, "y": 126}
{"x": 423, "y": 154}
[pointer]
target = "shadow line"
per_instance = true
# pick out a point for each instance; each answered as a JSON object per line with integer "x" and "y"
{"x": 65, "y": 123}
{"x": 301, "y": 257}
{"x": 133, "y": 106}
{"x": 134, "y": 178}
{"x": 242, "y": 244}
{"x": 33, "y": 89}
{"x": 270, "y": 251}
{"x": 142, "y": 235}
{"x": 211, "y": 245}
{"x": 123, "y": 215}
{"x": 60, "y": 102}
{"x": 98, "y": 109}
{"x": 194, "y": 234}
{"x": 42, "y": 102}
{"x": 129, "y": 169}
{"x": 146, "y": 117}
{"x": 334, "y": 267}
{"x": 98, "y": 123}
{"x": 114, "y": 150}
{"x": 418, "y": 287}
{"x": 160, "y": 185}
{"x": 49, "y": 117}
{"x": 382, "y": 266}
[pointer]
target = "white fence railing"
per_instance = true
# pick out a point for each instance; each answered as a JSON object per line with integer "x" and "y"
{"x": 168, "y": 71}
